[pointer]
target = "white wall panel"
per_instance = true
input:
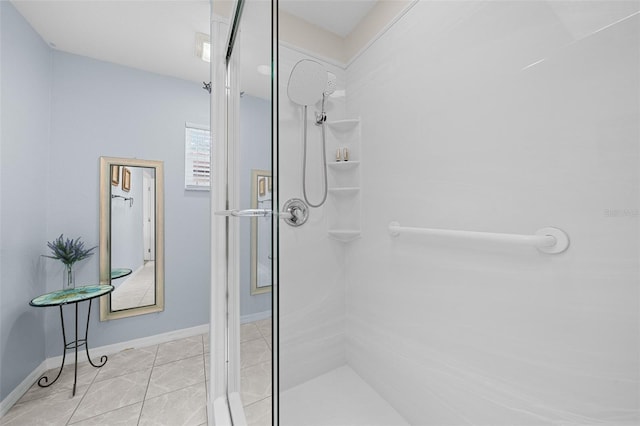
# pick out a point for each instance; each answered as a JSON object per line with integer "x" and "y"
{"x": 461, "y": 131}
{"x": 311, "y": 273}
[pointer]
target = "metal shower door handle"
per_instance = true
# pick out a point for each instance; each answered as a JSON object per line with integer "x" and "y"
{"x": 295, "y": 212}
{"x": 245, "y": 213}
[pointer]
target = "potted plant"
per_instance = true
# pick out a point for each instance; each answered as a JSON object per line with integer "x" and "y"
{"x": 68, "y": 252}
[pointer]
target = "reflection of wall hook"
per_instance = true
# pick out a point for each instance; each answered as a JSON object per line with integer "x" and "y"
{"x": 129, "y": 199}
{"x": 206, "y": 86}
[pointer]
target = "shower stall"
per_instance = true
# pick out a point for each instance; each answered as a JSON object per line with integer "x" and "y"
{"x": 456, "y": 199}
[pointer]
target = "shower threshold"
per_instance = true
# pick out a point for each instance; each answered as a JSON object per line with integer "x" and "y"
{"x": 337, "y": 398}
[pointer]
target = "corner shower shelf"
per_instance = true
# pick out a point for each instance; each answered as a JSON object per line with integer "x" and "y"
{"x": 345, "y": 235}
{"x": 343, "y": 218}
{"x": 343, "y": 165}
{"x": 344, "y": 125}
{"x": 344, "y": 191}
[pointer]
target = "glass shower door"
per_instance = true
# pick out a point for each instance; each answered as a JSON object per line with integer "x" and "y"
{"x": 243, "y": 213}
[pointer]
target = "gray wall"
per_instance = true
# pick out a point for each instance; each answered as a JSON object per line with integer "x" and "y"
{"x": 255, "y": 153}
{"x": 25, "y": 119}
{"x": 60, "y": 113}
{"x": 106, "y": 109}
{"x": 26, "y": 90}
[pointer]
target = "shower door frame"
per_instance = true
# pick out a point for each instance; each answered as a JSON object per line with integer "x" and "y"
{"x": 218, "y": 412}
{"x": 232, "y": 103}
{"x": 224, "y": 405}
{"x": 275, "y": 240}
{"x": 224, "y": 383}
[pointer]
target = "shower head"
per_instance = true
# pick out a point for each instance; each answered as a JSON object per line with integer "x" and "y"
{"x": 331, "y": 84}
{"x": 307, "y": 81}
{"x": 321, "y": 116}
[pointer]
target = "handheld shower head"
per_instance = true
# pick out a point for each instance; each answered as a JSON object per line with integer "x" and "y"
{"x": 321, "y": 116}
{"x": 306, "y": 82}
{"x": 331, "y": 84}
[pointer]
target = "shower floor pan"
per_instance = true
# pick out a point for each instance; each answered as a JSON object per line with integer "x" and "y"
{"x": 337, "y": 398}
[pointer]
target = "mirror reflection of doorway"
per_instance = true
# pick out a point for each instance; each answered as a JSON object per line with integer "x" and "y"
{"x": 133, "y": 239}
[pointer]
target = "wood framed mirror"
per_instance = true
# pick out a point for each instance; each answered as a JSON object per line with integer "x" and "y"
{"x": 131, "y": 236}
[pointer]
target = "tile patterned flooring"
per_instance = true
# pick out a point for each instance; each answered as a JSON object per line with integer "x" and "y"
{"x": 164, "y": 384}
{"x": 255, "y": 371}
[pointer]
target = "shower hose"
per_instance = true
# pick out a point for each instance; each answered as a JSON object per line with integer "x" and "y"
{"x": 304, "y": 164}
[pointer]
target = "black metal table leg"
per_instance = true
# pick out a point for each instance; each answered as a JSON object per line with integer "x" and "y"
{"x": 43, "y": 382}
{"x": 75, "y": 365}
{"x": 103, "y": 358}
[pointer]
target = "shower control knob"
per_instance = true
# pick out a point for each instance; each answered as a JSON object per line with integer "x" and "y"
{"x": 295, "y": 212}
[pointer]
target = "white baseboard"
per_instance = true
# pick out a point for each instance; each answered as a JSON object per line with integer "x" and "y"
{"x": 96, "y": 353}
{"x": 22, "y": 388}
{"x": 255, "y": 317}
{"x": 130, "y": 344}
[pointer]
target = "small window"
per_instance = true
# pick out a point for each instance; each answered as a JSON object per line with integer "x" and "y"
{"x": 197, "y": 157}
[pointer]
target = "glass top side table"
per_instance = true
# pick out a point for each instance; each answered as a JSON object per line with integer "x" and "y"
{"x": 66, "y": 297}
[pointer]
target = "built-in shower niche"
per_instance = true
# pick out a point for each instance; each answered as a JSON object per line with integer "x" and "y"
{"x": 343, "y": 211}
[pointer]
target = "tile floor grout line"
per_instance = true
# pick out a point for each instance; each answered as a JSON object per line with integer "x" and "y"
{"x": 85, "y": 392}
{"x": 251, "y": 340}
{"x": 140, "y": 413}
{"x": 144, "y": 397}
{"x": 255, "y": 402}
{"x": 262, "y": 332}
{"x": 177, "y": 360}
{"x": 258, "y": 363}
{"x": 265, "y": 362}
{"x": 107, "y": 412}
{"x": 173, "y": 390}
{"x": 204, "y": 366}
{"x": 255, "y": 365}
{"x": 166, "y": 393}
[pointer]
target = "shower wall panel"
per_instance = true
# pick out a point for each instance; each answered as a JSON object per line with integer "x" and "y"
{"x": 500, "y": 117}
{"x": 311, "y": 267}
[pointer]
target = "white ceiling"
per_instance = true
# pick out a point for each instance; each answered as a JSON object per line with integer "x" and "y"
{"x": 159, "y": 35}
{"x": 156, "y": 36}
